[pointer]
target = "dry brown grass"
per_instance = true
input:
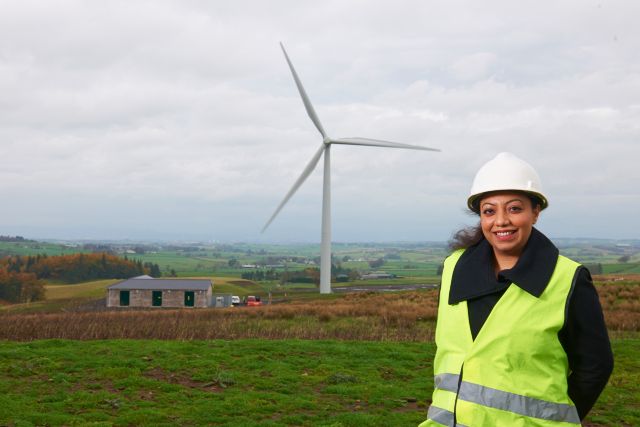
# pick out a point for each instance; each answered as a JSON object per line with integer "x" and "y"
{"x": 620, "y": 299}
{"x": 375, "y": 317}
{"x": 406, "y": 316}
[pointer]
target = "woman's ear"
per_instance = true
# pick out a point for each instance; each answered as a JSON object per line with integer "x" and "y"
{"x": 536, "y": 213}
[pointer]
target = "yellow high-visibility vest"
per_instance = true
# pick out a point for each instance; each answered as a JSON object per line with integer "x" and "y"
{"x": 514, "y": 374}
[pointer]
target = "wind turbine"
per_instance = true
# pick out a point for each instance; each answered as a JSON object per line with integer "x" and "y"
{"x": 325, "y": 148}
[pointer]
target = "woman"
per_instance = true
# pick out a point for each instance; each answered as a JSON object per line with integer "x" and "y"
{"x": 521, "y": 336}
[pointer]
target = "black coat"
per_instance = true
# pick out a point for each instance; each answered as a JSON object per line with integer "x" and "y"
{"x": 584, "y": 335}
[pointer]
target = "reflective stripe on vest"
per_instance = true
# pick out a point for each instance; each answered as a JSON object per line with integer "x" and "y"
{"x": 515, "y": 371}
{"x": 518, "y": 404}
{"x": 442, "y": 416}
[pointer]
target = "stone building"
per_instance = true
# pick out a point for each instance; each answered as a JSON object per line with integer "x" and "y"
{"x": 144, "y": 291}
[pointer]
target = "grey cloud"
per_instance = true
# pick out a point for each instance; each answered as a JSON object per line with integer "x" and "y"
{"x": 180, "y": 118}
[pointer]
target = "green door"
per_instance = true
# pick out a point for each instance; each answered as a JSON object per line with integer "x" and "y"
{"x": 124, "y": 298}
{"x": 189, "y": 298}
{"x": 156, "y": 298}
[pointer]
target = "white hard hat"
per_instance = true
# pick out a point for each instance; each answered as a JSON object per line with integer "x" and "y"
{"x": 506, "y": 172}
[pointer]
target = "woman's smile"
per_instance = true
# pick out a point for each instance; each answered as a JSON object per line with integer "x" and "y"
{"x": 505, "y": 235}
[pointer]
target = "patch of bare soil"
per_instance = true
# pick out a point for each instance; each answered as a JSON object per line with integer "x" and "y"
{"x": 411, "y": 404}
{"x": 183, "y": 380}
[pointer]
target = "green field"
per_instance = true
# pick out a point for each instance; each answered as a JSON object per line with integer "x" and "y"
{"x": 619, "y": 268}
{"x": 413, "y": 263}
{"x": 95, "y": 289}
{"x": 255, "y": 382}
{"x": 34, "y": 248}
{"x": 244, "y": 383}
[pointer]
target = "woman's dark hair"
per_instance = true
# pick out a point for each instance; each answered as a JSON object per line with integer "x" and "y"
{"x": 466, "y": 237}
{"x": 535, "y": 201}
{"x": 469, "y": 236}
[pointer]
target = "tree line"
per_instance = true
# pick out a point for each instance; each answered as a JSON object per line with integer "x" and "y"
{"x": 21, "y": 277}
{"x": 13, "y": 239}
{"x": 20, "y": 287}
{"x": 307, "y": 275}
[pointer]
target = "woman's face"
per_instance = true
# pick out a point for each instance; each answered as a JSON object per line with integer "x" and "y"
{"x": 506, "y": 219}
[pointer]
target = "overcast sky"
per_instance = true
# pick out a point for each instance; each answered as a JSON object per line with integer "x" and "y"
{"x": 180, "y": 119}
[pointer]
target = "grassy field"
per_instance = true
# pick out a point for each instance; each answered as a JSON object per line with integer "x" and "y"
{"x": 621, "y": 268}
{"x": 361, "y": 359}
{"x": 95, "y": 289}
{"x": 78, "y": 312}
{"x": 227, "y": 383}
{"x": 370, "y": 316}
{"x": 34, "y": 248}
{"x": 244, "y": 383}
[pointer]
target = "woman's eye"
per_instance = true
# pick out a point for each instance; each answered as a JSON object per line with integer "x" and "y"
{"x": 515, "y": 209}
{"x": 487, "y": 211}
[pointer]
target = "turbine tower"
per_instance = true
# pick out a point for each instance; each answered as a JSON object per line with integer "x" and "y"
{"x": 325, "y": 148}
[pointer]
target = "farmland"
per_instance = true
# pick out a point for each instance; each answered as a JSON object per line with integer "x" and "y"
{"x": 407, "y": 263}
{"x": 341, "y": 359}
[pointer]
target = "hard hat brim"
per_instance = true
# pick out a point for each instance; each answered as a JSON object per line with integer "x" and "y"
{"x": 474, "y": 199}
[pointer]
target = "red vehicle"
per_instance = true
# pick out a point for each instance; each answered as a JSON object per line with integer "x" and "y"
{"x": 253, "y": 301}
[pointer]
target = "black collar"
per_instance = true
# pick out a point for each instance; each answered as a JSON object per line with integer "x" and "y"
{"x": 473, "y": 274}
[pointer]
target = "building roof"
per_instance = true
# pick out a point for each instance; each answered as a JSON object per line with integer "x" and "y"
{"x": 164, "y": 284}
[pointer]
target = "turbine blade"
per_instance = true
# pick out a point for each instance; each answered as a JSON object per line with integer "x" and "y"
{"x": 305, "y": 99}
{"x": 305, "y": 173}
{"x": 378, "y": 143}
